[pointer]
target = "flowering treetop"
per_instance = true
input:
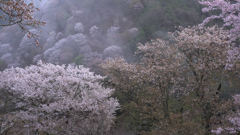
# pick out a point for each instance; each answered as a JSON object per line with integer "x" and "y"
{"x": 230, "y": 14}
{"x": 21, "y": 13}
{"x": 49, "y": 97}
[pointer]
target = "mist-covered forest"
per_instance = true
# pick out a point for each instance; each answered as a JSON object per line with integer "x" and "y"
{"x": 89, "y": 32}
{"x": 119, "y": 67}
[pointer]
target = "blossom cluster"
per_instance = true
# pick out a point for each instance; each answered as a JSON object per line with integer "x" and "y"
{"x": 57, "y": 99}
{"x": 79, "y": 27}
{"x": 112, "y": 31}
{"x": 21, "y": 13}
{"x": 94, "y": 31}
{"x": 230, "y": 14}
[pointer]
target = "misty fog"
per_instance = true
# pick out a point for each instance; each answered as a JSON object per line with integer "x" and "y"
{"x": 119, "y": 67}
{"x": 88, "y": 32}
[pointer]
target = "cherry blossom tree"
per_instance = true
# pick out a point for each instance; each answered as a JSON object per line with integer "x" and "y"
{"x": 147, "y": 86}
{"x": 177, "y": 84}
{"x": 232, "y": 124}
{"x": 79, "y": 27}
{"x": 235, "y": 120}
{"x": 95, "y": 31}
{"x": 206, "y": 55}
{"x": 112, "y": 52}
{"x": 20, "y": 13}
{"x": 54, "y": 99}
{"x": 230, "y": 14}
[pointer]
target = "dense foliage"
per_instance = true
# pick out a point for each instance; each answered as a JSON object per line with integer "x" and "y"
{"x": 229, "y": 14}
{"x": 184, "y": 83}
{"x": 54, "y": 99}
{"x": 90, "y": 27}
{"x": 176, "y": 84}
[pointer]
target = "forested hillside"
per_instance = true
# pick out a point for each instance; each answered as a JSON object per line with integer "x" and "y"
{"x": 88, "y": 32}
{"x": 170, "y": 67}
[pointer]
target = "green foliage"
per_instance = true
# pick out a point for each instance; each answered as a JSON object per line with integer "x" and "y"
{"x": 161, "y": 15}
{"x": 78, "y": 60}
{"x": 176, "y": 85}
{"x": 3, "y": 65}
{"x": 61, "y": 18}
